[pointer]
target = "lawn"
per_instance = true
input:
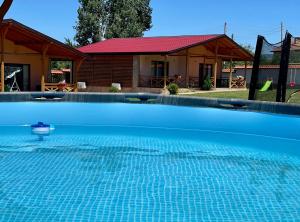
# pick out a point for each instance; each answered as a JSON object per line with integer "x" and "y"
{"x": 244, "y": 95}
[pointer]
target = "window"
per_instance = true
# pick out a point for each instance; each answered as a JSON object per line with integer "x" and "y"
{"x": 17, "y": 77}
{"x": 60, "y": 70}
{"x": 158, "y": 67}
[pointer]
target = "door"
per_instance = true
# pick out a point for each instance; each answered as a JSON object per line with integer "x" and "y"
{"x": 205, "y": 71}
{"x": 201, "y": 75}
{"x": 17, "y": 77}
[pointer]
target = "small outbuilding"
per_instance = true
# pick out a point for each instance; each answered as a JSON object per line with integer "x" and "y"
{"x": 154, "y": 62}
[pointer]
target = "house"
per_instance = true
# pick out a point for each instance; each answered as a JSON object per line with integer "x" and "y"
{"x": 270, "y": 72}
{"x": 26, "y": 55}
{"x": 153, "y": 62}
{"x": 269, "y": 67}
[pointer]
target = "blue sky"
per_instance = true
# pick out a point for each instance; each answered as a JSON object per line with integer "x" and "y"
{"x": 246, "y": 19}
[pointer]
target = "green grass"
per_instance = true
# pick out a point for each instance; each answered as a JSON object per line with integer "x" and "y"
{"x": 231, "y": 95}
{"x": 295, "y": 98}
{"x": 244, "y": 95}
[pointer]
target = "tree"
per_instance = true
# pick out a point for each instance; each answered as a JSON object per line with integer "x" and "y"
{"x": 112, "y": 19}
{"x": 91, "y": 24}
{"x": 249, "y": 49}
{"x": 57, "y": 64}
{"x": 128, "y": 18}
{"x": 70, "y": 43}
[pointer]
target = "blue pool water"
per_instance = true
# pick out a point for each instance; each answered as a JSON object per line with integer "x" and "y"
{"x": 125, "y": 162}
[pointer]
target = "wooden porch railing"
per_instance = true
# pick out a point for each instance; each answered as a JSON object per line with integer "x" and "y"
{"x": 238, "y": 83}
{"x": 158, "y": 82}
{"x": 193, "y": 82}
{"x": 235, "y": 83}
{"x": 56, "y": 87}
{"x": 213, "y": 83}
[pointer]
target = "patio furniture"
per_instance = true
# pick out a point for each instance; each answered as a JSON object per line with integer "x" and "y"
{"x": 117, "y": 85}
{"x": 239, "y": 82}
{"x": 213, "y": 83}
{"x": 194, "y": 82}
{"x": 56, "y": 87}
{"x": 81, "y": 85}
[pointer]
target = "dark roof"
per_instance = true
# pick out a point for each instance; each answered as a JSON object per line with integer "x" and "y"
{"x": 30, "y": 38}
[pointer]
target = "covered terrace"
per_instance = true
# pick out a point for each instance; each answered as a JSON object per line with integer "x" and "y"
{"x": 154, "y": 62}
{"x": 191, "y": 63}
{"x": 29, "y": 53}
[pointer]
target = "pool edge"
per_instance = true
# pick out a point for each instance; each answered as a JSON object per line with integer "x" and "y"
{"x": 148, "y": 98}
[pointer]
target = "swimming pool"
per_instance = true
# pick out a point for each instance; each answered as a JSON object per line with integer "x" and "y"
{"x": 134, "y": 162}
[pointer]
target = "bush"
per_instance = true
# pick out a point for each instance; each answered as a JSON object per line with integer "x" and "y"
{"x": 114, "y": 89}
{"x": 6, "y": 88}
{"x": 173, "y": 89}
{"x": 207, "y": 84}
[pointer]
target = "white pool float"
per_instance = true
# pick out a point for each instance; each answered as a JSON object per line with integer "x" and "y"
{"x": 41, "y": 129}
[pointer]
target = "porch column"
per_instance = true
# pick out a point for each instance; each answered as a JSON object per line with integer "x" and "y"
{"x": 216, "y": 65}
{"x": 246, "y": 64}
{"x": 187, "y": 75}
{"x": 44, "y": 66}
{"x": 136, "y": 78}
{"x": 215, "y": 74}
{"x": 165, "y": 71}
{"x": 3, "y": 35}
{"x": 204, "y": 71}
{"x": 2, "y": 75}
{"x": 78, "y": 64}
{"x": 230, "y": 75}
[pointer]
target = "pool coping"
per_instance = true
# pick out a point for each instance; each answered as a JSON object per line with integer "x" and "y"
{"x": 148, "y": 98}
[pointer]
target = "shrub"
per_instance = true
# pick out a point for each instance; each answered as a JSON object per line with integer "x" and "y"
{"x": 173, "y": 89}
{"x": 6, "y": 88}
{"x": 207, "y": 84}
{"x": 114, "y": 89}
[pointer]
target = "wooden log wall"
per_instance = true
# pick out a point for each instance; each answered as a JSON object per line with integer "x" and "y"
{"x": 102, "y": 71}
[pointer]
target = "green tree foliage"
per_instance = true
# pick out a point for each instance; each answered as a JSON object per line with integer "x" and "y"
{"x": 70, "y": 43}
{"x": 91, "y": 24}
{"x": 112, "y": 19}
{"x": 59, "y": 65}
{"x": 248, "y": 48}
{"x": 274, "y": 59}
{"x": 128, "y": 18}
{"x": 295, "y": 56}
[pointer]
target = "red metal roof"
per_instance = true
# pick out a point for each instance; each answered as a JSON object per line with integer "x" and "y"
{"x": 66, "y": 70}
{"x": 56, "y": 72}
{"x": 146, "y": 44}
{"x": 59, "y": 71}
